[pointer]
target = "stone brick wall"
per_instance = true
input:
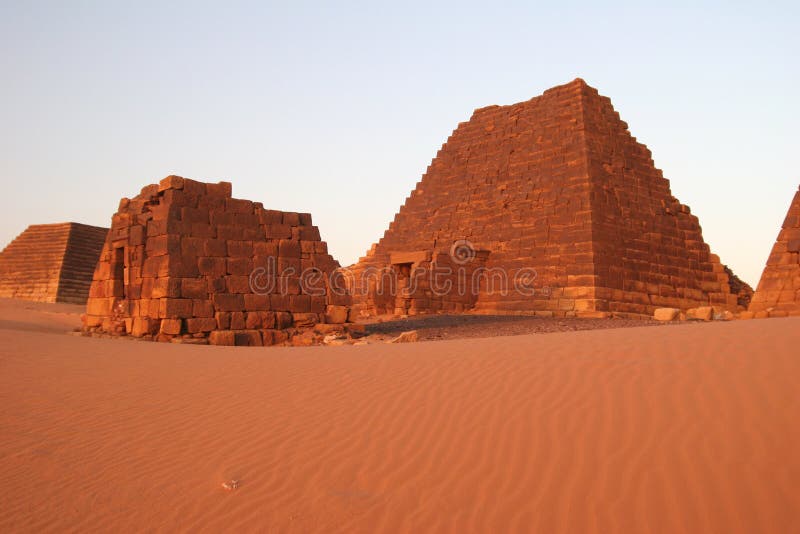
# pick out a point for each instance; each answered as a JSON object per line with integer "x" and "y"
{"x": 51, "y": 262}
{"x": 185, "y": 259}
{"x": 556, "y": 186}
{"x": 778, "y": 292}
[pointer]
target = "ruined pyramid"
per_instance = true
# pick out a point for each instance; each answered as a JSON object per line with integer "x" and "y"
{"x": 549, "y": 206}
{"x": 778, "y": 292}
{"x": 51, "y": 262}
{"x": 186, "y": 262}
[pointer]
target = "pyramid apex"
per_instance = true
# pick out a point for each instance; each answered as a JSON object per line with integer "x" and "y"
{"x": 578, "y": 86}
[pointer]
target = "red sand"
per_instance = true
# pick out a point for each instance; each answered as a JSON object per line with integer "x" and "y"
{"x": 690, "y": 428}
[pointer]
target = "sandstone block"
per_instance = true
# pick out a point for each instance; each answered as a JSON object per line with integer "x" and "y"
{"x": 99, "y": 306}
{"x": 238, "y": 321}
{"x": 304, "y": 320}
{"x": 200, "y": 324}
{"x": 175, "y": 308}
{"x": 273, "y": 337}
{"x": 666, "y": 314}
{"x": 291, "y": 218}
{"x": 240, "y": 266}
{"x": 260, "y": 320}
{"x": 702, "y": 313}
{"x": 283, "y": 320}
{"x": 142, "y": 326}
{"x": 156, "y": 266}
{"x": 336, "y": 314}
{"x": 254, "y": 302}
{"x": 170, "y": 182}
{"x": 248, "y": 338}
{"x": 170, "y": 327}
{"x": 280, "y": 336}
{"x": 228, "y": 302}
{"x": 304, "y": 339}
{"x": 267, "y": 337}
{"x": 278, "y": 231}
{"x": 202, "y": 308}
{"x": 356, "y": 330}
{"x": 223, "y": 320}
{"x": 309, "y": 233}
{"x": 240, "y": 249}
{"x": 237, "y": 284}
{"x": 219, "y": 190}
{"x": 194, "y": 288}
{"x": 163, "y": 287}
{"x": 222, "y": 337}
{"x": 163, "y": 245}
{"x": 215, "y": 248}
{"x": 329, "y": 328}
{"x": 90, "y": 321}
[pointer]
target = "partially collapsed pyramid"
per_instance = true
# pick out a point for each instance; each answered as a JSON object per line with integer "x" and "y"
{"x": 51, "y": 262}
{"x": 778, "y": 292}
{"x": 546, "y": 205}
{"x": 185, "y": 261}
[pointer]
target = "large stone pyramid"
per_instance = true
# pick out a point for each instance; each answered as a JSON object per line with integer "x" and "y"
{"x": 51, "y": 262}
{"x": 778, "y": 292}
{"x": 546, "y": 205}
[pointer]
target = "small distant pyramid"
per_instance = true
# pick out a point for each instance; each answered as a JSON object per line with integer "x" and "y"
{"x": 51, "y": 262}
{"x": 778, "y": 292}
{"x": 554, "y": 200}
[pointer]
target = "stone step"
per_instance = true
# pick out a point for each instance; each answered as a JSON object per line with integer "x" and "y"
{"x": 51, "y": 262}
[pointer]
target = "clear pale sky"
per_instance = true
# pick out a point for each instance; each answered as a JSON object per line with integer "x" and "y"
{"x": 338, "y": 109}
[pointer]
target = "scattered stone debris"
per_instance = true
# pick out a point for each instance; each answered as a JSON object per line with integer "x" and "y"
{"x": 723, "y": 315}
{"x": 666, "y": 314}
{"x": 406, "y": 337}
{"x": 230, "y": 485}
{"x": 702, "y": 313}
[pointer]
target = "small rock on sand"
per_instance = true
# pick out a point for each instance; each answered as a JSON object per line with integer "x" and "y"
{"x": 406, "y": 337}
{"x": 666, "y": 314}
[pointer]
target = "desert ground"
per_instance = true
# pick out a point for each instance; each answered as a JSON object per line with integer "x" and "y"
{"x": 685, "y": 428}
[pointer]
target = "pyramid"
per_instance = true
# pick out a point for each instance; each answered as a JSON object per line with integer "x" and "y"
{"x": 778, "y": 291}
{"x": 184, "y": 261}
{"x": 549, "y": 206}
{"x": 51, "y": 262}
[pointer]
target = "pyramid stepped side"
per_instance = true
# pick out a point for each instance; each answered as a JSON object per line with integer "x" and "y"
{"x": 30, "y": 265}
{"x": 510, "y": 182}
{"x": 474, "y": 187}
{"x": 649, "y": 248}
{"x": 557, "y": 188}
{"x": 540, "y": 223}
{"x": 82, "y": 253}
{"x": 778, "y": 292}
{"x": 51, "y": 262}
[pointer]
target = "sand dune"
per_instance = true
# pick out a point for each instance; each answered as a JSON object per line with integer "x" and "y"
{"x": 690, "y": 428}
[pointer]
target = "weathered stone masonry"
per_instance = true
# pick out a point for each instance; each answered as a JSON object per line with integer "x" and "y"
{"x": 51, "y": 262}
{"x": 181, "y": 259}
{"x": 778, "y": 292}
{"x": 559, "y": 186}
